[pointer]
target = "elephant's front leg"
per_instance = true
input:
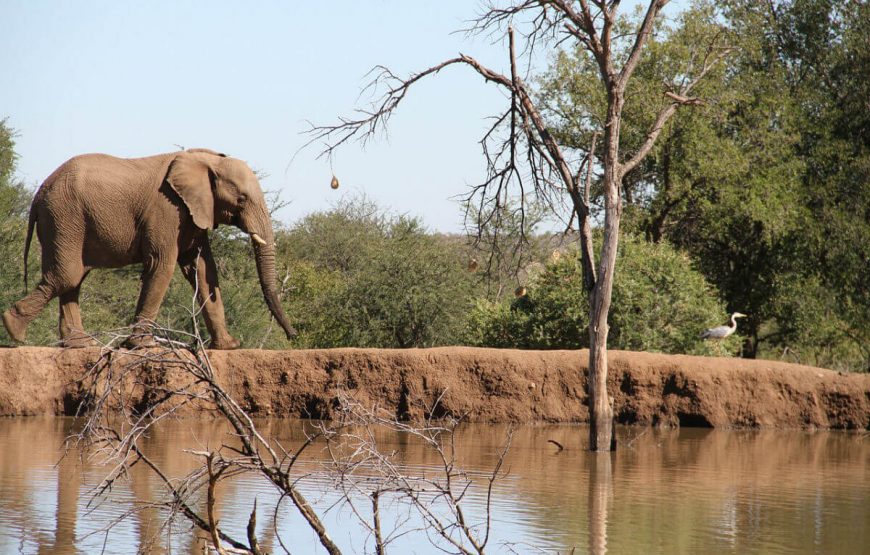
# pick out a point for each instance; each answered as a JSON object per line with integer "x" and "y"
{"x": 156, "y": 275}
{"x": 72, "y": 331}
{"x": 199, "y": 268}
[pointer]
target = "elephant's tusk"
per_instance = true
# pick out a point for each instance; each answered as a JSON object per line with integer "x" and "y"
{"x": 258, "y": 239}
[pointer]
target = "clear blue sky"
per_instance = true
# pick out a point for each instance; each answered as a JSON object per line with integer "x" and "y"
{"x": 136, "y": 78}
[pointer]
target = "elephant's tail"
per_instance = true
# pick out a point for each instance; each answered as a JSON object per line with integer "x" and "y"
{"x": 31, "y": 222}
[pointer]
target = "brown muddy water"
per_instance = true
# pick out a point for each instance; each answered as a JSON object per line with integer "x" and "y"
{"x": 664, "y": 491}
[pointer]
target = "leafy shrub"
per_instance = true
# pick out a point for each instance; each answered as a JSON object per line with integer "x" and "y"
{"x": 660, "y": 303}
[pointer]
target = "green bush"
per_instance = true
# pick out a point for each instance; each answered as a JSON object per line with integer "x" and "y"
{"x": 14, "y": 207}
{"x": 660, "y": 303}
{"x": 368, "y": 279}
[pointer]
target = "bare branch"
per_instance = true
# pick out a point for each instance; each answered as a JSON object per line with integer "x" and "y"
{"x": 252, "y": 531}
{"x": 350, "y": 438}
{"x": 670, "y": 109}
{"x": 379, "y": 540}
{"x": 640, "y": 39}
{"x": 213, "y": 477}
{"x": 663, "y": 116}
{"x": 113, "y": 431}
{"x": 682, "y": 100}
{"x": 375, "y": 118}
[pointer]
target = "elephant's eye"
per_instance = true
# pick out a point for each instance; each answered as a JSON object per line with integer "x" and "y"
{"x": 243, "y": 198}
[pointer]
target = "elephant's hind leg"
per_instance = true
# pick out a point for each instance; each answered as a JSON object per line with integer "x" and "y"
{"x": 16, "y": 318}
{"x": 72, "y": 331}
{"x": 156, "y": 275}
{"x": 15, "y": 325}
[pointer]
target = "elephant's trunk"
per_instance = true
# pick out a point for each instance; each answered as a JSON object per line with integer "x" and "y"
{"x": 265, "y": 257}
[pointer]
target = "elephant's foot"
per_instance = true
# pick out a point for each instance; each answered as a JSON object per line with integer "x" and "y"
{"x": 78, "y": 341}
{"x": 142, "y": 336}
{"x": 15, "y": 325}
{"x": 227, "y": 343}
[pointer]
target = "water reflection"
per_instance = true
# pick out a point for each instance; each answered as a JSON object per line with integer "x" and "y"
{"x": 600, "y": 492}
{"x": 666, "y": 491}
{"x": 68, "y": 472}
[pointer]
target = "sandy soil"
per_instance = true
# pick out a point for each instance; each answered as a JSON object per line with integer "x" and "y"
{"x": 482, "y": 384}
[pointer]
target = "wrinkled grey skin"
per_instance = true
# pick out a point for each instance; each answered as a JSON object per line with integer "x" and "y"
{"x": 98, "y": 211}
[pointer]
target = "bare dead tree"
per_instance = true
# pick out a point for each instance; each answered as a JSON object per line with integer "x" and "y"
{"x": 523, "y": 156}
{"x": 129, "y": 392}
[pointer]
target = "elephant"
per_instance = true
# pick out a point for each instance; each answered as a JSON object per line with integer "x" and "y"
{"x": 99, "y": 211}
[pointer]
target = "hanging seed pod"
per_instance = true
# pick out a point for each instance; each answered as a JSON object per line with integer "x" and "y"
{"x": 334, "y": 182}
{"x": 472, "y": 265}
{"x": 520, "y": 292}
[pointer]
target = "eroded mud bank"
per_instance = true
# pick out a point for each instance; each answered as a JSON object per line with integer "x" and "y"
{"x": 481, "y": 384}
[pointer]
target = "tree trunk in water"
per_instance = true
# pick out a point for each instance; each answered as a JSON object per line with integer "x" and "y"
{"x": 601, "y": 436}
{"x": 600, "y": 409}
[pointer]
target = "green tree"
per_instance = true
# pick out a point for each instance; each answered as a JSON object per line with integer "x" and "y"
{"x": 368, "y": 279}
{"x": 756, "y": 180}
{"x": 783, "y": 242}
{"x": 721, "y": 181}
{"x": 824, "y": 44}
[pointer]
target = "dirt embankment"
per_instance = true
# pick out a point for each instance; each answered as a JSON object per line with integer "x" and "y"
{"x": 482, "y": 384}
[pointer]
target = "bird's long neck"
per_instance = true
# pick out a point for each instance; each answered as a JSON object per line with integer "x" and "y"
{"x": 733, "y": 322}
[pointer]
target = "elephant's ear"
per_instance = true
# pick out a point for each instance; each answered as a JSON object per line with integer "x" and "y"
{"x": 190, "y": 177}
{"x": 206, "y": 151}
